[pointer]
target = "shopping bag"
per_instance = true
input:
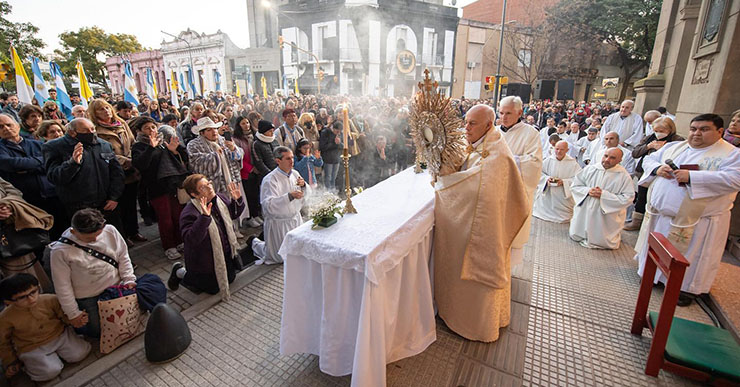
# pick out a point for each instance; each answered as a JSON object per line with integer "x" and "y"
{"x": 120, "y": 321}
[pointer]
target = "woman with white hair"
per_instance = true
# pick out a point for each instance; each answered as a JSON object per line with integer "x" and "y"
{"x": 184, "y": 130}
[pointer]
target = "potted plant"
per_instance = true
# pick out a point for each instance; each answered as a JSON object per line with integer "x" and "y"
{"x": 324, "y": 213}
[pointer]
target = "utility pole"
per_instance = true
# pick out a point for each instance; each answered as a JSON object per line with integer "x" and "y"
{"x": 497, "y": 91}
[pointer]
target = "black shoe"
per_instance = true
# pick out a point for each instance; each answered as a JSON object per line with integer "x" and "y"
{"x": 138, "y": 238}
{"x": 685, "y": 299}
{"x": 246, "y": 254}
{"x": 173, "y": 282}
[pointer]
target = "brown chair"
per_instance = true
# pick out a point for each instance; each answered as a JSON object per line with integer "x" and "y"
{"x": 687, "y": 348}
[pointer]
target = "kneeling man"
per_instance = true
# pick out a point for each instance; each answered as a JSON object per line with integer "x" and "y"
{"x": 602, "y": 193}
{"x": 281, "y": 196}
{"x": 553, "y": 200}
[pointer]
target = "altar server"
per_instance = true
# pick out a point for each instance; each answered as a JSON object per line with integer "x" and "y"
{"x": 553, "y": 201}
{"x": 626, "y": 123}
{"x": 281, "y": 197}
{"x": 582, "y": 146}
{"x": 692, "y": 207}
{"x": 478, "y": 212}
{"x": 611, "y": 140}
{"x": 525, "y": 145}
{"x": 602, "y": 192}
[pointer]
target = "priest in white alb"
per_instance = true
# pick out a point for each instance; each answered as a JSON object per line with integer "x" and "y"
{"x": 478, "y": 211}
{"x": 626, "y": 123}
{"x": 602, "y": 192}
{"x": 281, "y": 196}
{"x": 584, "y": 145}
{"x": 525, "y": 145}
{"x": 553, "y": 200}
{"x": 611, "y": 140}
{"x": 691, "y": 205}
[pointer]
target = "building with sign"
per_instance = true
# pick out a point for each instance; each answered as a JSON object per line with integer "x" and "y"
{"x": 140, "y": 62}
{"x": 366, "y": 47}
{"x": 694, "y": 68}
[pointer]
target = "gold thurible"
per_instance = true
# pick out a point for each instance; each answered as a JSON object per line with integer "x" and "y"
{"x": 348, "y": 207}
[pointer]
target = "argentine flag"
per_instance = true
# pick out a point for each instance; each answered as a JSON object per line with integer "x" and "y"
{"x": 40, "y": 88}
{"x": 62, "y": 97}
{"x": 129, "y": 86}
{"x": 151, "y": 86}
{"x": 191, "y": 82}
{"x": 182, "y": 84}
{"x": 217, "y": 79}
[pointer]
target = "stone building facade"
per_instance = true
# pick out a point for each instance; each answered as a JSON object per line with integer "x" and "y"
{"x": 694, "y": 68}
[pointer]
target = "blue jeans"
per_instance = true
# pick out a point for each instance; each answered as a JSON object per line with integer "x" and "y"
{"x": 90, "y": 305}
{"x": 330, "y": 175}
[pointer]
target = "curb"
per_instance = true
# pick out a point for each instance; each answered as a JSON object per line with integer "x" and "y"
{"x": 127, "y": 350}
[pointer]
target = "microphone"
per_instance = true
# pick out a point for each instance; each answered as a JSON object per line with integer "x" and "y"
{"x": 670, "y": 163}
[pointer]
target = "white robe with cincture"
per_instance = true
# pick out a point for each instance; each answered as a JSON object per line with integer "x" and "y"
{"x": 280, "y": 213}
{"x": 581, "y": 147}
{"x": 524, "y": 142}
{"x": 710, "y": 233}
{"x": 629, "y": 128}
{"x": 628, "y": 162}
{"x": 597, "y": 222}
{"x": 551, "y": 202}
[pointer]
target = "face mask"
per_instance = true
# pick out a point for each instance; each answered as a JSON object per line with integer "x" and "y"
{"x": 660, "y": 136}
{"x": 86, "y": 138}
{"x": 731, "y": 138}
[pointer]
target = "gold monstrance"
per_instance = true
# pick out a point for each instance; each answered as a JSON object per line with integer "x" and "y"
{"x": 436, "y": 130}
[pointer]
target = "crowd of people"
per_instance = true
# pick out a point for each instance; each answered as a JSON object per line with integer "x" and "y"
{"x": 221, "y": 164}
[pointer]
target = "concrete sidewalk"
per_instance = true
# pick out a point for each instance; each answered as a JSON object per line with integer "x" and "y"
{"x": 571, "y": 313}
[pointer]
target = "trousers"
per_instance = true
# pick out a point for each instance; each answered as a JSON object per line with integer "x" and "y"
{"x": 44, "y": 363}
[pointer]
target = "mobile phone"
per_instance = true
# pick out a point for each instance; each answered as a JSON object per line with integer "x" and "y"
{"x": 227, "y": 135}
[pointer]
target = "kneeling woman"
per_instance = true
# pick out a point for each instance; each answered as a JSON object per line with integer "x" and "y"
{"x": 207, "y": 230}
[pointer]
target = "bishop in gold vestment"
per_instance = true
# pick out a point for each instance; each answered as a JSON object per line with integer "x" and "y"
{"x": 478, "y": 212}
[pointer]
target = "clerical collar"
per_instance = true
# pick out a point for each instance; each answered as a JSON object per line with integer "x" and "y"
{"x": 283, "y": 172}
{"x": 506, "y": 129}
{"x": 480, "y": 141}
{"x": 624, "y": 117}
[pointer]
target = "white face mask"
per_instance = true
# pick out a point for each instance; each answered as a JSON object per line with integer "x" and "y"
{"x": 660, "y": 135}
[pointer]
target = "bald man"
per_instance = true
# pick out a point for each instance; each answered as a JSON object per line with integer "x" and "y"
{"x": 524, "y": 142}
{"x": 611, "y": 140}
{"x": 478, "y": 211}
{"x": 602, "y": 192}
{"x": 626, "y": 123}
{"x": 553, "y": 200}
{"x": 649, "y": 117}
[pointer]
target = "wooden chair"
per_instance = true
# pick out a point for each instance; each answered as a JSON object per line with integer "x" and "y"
{"x": 694, "y": 350}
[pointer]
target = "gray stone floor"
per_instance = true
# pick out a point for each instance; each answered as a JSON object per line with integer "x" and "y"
{"x": 571, "y": 314}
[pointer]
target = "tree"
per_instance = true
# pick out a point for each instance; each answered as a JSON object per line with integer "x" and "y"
{"x": 92, "y": 45}
{"x": 22, "y": 36}
{"x": 627, "y": 25}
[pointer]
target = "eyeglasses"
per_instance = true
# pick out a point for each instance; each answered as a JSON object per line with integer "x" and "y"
{"x": 32, "y": 294}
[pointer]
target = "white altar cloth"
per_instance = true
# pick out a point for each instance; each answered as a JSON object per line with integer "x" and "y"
{"x": 358, "y": 293}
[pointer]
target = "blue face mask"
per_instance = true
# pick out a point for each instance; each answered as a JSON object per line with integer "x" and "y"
{"x": 731, "y": 138}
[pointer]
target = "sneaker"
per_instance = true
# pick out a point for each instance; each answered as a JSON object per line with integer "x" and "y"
{"x": 172, "y": 254}
{"x": 173, "y": 282}
{"x": 181, "y": 247}
{"x": 253, "y": 223}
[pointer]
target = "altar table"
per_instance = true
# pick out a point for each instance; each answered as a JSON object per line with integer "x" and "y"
{"x": 358, "y": 293}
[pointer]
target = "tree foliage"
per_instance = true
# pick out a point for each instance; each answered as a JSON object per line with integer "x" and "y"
{"x": 22, "y": 36}
{"x": 627, "y": 25}
{"x": 92, "y": 45}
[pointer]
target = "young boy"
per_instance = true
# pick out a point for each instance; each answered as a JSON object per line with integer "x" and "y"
{"x": 33, "y": 331}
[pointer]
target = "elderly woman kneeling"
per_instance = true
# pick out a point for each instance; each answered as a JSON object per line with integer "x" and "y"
{"x": 207, "y": 230}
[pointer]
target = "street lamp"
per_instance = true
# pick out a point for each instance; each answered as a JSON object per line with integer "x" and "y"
{"x": 190, "y": 52}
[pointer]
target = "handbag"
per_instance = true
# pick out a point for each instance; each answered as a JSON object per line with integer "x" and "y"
{"x": 18, "y": 243}
{"x": 121, "y": 320}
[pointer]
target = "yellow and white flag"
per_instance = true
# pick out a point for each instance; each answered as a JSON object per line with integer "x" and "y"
{"x": 86, "y": 93}
{"x": 22, "y": 84}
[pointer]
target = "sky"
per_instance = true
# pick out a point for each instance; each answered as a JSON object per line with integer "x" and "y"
{"x": 142, "y": 18}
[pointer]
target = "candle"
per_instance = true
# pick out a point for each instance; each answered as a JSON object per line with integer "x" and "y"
{"x": 345, "y": 132}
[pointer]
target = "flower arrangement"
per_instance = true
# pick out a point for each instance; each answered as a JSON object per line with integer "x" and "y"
{"x": 324, "y": 212}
